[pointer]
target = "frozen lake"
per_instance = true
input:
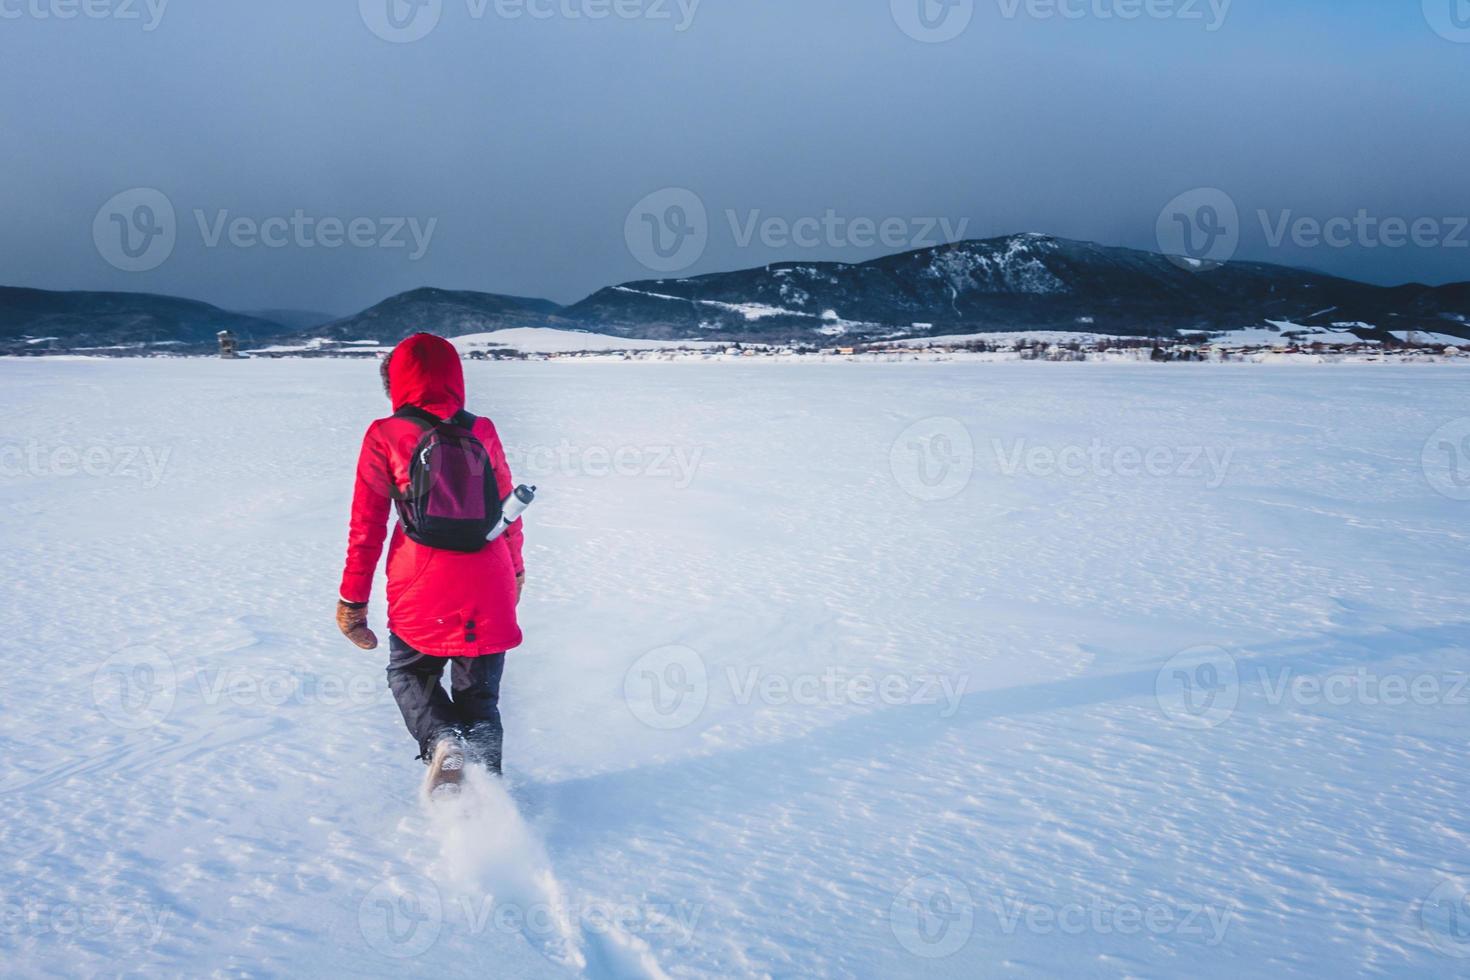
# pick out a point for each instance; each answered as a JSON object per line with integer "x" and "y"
{"x": 831, "y": 670}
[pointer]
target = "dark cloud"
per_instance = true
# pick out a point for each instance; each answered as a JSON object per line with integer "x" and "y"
{"x": 307, "y": 159}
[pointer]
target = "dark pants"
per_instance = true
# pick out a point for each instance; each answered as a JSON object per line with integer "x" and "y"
{"x": 473, "y": 713}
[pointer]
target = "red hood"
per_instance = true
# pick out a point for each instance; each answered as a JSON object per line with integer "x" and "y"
{"x": 425, "y": 371}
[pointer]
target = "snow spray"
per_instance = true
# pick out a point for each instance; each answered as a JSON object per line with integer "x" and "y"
{"x": 512, "y": 508}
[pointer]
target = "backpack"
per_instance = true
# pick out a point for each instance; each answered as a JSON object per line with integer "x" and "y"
{"x": 453, "y": 497}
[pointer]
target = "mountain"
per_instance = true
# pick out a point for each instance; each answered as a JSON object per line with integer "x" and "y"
{"x": 293, "y": 319}
{"x": 1450, "y": 302}
{"x": 82, "y": 319}
{"x": 1033, "y": 282}
{"x": 448, "y": 313}
{"x": 1018, "y": 282}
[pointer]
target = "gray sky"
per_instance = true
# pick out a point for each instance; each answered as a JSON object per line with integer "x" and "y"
{"x": 518, "y": 145}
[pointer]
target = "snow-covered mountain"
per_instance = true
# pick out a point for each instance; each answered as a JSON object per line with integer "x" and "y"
{"x": 1016, "y": 282}
{"x": 1019, "y": 282}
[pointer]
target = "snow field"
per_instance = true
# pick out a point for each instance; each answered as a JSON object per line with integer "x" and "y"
{"x": 836, "y": 670}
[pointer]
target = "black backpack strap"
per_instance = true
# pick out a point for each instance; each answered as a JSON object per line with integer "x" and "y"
{"x": 418, "y": 415}
{"x": 460, "y": 418}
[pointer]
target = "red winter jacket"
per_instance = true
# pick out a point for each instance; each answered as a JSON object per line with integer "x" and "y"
{"x": 443, "y": 603}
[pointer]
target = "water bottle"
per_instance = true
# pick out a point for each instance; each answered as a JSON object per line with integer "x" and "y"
{"x": 512, "y": 508}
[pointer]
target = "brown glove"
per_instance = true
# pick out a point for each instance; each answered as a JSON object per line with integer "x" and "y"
{"x": 352, "y": 621}
{"x": 520, "y": 586}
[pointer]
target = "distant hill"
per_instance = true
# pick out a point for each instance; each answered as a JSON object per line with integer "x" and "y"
{"x": 81, "y": 319}
{"x": 1031, "y": 282}
{"x": 1018, "y": 282}
{"x": 294, "y": 319}
{"x": 446, "y": 312}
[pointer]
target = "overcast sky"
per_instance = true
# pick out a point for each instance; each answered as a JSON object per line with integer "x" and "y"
{"x": 512, "y": 149}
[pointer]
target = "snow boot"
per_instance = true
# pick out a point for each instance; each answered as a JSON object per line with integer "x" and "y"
{"x": 446, "y": 767}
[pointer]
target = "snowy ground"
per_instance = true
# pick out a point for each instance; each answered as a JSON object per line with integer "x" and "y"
{"x": 868, "y": 670}
{"x": 543, "y": 340}
{"x": 530, "y": 340}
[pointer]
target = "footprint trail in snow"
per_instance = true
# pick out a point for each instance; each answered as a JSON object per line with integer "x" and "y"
{"x": 493, "y": 870}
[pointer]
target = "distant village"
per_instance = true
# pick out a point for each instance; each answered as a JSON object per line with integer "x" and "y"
{"x": 1043, "y": 346}
{"x": 1006, "y": 348}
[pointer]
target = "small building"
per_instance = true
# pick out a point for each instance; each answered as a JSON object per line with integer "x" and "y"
{"x": 229, "y": 347}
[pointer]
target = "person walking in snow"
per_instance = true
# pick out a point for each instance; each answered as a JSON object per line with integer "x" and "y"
{"x": 452, "y": 595}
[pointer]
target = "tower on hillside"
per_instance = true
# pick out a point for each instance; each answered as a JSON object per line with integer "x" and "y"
{"x": 229, "y": 347}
